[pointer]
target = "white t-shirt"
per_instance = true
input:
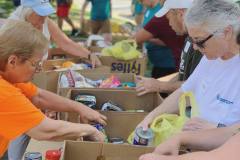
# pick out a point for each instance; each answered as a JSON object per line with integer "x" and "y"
{"x": 18, "y": 15}
{"x": 216, "y": 86}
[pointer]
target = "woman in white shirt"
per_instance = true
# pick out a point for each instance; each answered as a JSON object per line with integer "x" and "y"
{"x": 36, "y": 12}
{"x": 214, "y": 28}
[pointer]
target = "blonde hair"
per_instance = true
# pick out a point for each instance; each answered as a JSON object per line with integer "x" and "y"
{"x": 21, "y": 39}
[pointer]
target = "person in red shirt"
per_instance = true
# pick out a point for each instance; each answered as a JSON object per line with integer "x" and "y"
{"x": 160, "y": 28}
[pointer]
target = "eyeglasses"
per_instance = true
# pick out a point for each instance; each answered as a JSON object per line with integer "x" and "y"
{"x": 200, "y": 44}
{"x": 37, "y": 65}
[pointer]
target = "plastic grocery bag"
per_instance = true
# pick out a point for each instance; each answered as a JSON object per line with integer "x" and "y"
{"x": 167, "y": 125}
{"x": 123, "y": 50}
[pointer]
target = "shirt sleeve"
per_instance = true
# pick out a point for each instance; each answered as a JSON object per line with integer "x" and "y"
{"x": 18, "y": 115}
{"x": 191, "y": 83}
{"x": 159, "y": 27}
{"x": 151, "y": 26}
{"x": 28, "y": 89}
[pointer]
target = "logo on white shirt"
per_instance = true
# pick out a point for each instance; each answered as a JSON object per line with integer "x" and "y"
{"x": 219, "y": 98}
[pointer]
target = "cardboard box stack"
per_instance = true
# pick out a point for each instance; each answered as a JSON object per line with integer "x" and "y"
{"x": 119, "y": 124}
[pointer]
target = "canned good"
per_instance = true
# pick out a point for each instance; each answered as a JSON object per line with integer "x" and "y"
{"x": 116, "y": 140}
{"x": 142, "y": 137}
{"x": 101, "y": 129}
{"x": 111, "y": 106}
{"x": 86, "y": 99}
{"x": 53, "y": 155}
{"x": 33, "y": 156}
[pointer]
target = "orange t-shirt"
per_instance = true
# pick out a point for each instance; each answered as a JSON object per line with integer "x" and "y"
{"x": 17, "y": 113}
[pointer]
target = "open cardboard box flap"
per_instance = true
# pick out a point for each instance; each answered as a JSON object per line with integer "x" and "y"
{"x": 77, "y": 150}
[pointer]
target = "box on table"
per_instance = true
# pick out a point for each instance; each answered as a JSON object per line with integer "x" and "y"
{"x": 119, "y": 124}
{"x": 77, "y": 150}
{"x": 48, "y": 78}
{"x": 126, "y": 99}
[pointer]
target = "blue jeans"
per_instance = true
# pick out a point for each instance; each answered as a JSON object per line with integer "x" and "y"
{"x": 18, "y": 147}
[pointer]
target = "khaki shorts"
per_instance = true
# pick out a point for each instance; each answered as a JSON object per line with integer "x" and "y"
{"x": 99, "y": 27}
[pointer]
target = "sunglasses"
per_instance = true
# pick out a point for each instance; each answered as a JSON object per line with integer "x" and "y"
{"x": 200, "y": 44}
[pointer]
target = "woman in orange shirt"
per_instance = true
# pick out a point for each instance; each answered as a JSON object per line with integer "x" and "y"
{"x": 21, "y": 50}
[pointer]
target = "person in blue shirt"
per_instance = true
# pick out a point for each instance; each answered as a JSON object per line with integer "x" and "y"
{"x": 159, "y": 54}
{"x": 138, "y": 11}
{"x": 100, "y": 15}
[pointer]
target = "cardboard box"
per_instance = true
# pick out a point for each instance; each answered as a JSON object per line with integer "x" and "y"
{"x": 137, "y": 66}
{"x": 127, "y": 99}
{"x": 76, "y": 150}
{"x": 116, "y": 123}
{"x": 48, "y": 78}
{"x": 49, "y": 65}
{"x": 123, "y": 77}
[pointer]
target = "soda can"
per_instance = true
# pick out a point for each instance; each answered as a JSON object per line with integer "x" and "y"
{"x": 33, "y": 156}
{"x": 116, "y": 140}
{"x": 101, "y": 129}
{"x": 143, "y": 138}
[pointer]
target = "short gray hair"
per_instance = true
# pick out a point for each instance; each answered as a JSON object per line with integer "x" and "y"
{"x": 21, "y": 13}
{"x": 213, "y": 15}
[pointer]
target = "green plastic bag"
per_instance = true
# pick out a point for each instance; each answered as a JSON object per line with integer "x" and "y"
{"x": 167, "y": 125}
{"x": 123, "y": 50}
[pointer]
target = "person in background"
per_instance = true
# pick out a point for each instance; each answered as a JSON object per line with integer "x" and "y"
{"x": 36, "y": 12}
{"x": 22, "y": 48}
{"x": 138, "y": 11}
{"x": 172, "y": 13}
{"x": 63, "y": 7}
{"x": 159, "y": 55}
{"x": 100, "y": 16}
